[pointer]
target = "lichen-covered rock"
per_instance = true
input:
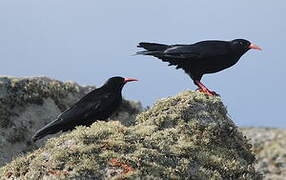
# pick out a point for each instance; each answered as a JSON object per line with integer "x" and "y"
{"x": 269, "y": 146}
{"x": 27, "y": 104}
{"x": 188, "y": 136}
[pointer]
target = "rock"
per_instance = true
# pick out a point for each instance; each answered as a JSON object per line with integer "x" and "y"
{"x": 269, "y": 145}
{"x": 188, "y": 136}
{"x": 27, "y": 104}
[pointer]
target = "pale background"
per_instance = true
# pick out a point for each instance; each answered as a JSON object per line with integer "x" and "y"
{"x": 89, "y": 41}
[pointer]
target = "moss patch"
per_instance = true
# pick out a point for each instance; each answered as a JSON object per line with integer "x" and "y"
{"x": 22, "y": 91}
{"x": 188, "y": 135}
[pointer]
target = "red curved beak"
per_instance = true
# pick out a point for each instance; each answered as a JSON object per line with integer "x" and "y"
{"x": 129, "y": 79}
{"x": 253, "y": 46}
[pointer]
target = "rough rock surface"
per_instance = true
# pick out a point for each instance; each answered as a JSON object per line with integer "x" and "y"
{"x": 26, "y": 104}
{"x": 188, "y": 136}
{"x": 269, "y": 145}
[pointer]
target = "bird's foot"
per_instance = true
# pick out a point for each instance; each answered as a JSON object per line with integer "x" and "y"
{"x": 208, "y": 92}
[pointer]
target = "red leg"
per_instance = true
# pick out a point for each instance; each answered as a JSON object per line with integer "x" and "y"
{"x": 204, "y": 89}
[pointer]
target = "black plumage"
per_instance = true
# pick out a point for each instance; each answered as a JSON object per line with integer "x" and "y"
{"x": 199, "y": 58}
{"x": 99, "y": 104}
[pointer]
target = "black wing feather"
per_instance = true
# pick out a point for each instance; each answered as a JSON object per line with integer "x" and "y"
{"x": 89, "y": 105}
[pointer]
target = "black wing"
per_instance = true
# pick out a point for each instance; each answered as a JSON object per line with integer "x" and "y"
{"x": 89, "y": 105}
{"x": 203, "y": 49}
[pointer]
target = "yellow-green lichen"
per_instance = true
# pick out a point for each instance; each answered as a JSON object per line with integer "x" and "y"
{"x": 22, "y": 91}
{"x": 269, "y": 145}
{"x": 188, "y": 136}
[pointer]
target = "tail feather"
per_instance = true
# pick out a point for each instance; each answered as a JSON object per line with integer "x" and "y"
{"x": 153, "y": 46}
{"x": 153, "y": 49}
{"x": 152, "y": 53}
{"x": 160, "y": 51}
{"x": 50, "y": 128}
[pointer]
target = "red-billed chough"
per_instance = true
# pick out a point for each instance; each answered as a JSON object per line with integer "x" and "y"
{"x": 99, "y": 104}
{"x": 199, "y": 58}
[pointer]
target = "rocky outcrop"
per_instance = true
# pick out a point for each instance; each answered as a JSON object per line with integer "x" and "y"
{"x": 26, "y": 104}
{"x": 269, "y": 146}
{"x": 188, "y": 136}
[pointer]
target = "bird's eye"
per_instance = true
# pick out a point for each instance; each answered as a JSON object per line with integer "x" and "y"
{"x": 241, "y": 43}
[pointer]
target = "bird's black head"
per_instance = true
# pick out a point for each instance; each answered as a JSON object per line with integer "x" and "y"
{"x": 117, "y": 82}
{"x": 241, "y": 46}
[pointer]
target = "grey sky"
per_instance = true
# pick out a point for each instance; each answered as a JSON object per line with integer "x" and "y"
{"x": 90, "y": 41}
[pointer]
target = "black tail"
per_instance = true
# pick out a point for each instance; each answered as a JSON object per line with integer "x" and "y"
{"x": 152, "y": 48}
{"x": 50, "y": 128}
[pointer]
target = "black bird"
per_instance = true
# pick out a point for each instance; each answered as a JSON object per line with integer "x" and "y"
{"x": 99, "y": 104}
{"x": 200, "y": 58}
